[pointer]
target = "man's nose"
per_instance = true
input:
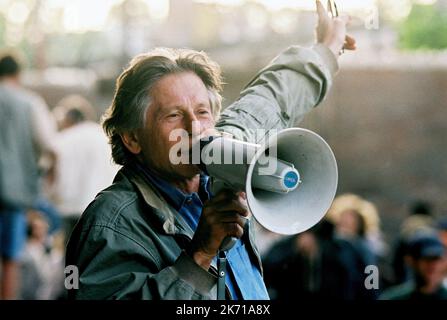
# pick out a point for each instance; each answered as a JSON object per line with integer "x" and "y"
{"x": 192, "y": 125}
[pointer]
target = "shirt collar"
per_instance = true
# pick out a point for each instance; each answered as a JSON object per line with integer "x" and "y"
{"x": 174, "y": 196}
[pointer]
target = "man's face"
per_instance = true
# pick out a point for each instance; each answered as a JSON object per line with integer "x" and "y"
{"x": 178, "y": 100}
{"x": 349, "y": 223}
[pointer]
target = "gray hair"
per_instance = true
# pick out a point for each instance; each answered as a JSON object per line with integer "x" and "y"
{"x": 133, "y": 86}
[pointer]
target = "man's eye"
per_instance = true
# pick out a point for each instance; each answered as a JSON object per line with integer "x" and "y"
{"x": 173, "y": 116}
{"x": 204, "y": 112}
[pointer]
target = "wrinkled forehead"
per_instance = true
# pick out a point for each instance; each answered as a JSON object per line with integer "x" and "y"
{"x": 184, "y": 89}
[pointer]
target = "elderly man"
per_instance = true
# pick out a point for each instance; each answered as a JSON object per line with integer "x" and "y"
{"x": 155, "y": 233}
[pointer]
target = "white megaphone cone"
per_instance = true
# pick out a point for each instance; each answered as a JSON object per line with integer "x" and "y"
{"x": 290, "y": 180}
{"x": 301, "y": 208}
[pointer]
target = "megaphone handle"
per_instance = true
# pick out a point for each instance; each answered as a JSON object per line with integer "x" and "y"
{"x": 222, "y": 271}
{"x": 228, "y": 243}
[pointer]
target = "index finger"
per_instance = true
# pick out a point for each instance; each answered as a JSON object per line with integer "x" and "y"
{"x": 321, "y": 10}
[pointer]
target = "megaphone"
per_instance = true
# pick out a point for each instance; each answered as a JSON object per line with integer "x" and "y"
{"x": 290, "y": 180}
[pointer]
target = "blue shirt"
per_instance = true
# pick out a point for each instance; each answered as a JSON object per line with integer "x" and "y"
{"x": 243, "y": 278}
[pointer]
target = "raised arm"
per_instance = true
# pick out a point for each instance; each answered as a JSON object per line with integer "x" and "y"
{"x": 292, "y": 84}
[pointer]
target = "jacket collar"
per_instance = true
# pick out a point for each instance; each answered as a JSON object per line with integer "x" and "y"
{"x": 172, "y": 223}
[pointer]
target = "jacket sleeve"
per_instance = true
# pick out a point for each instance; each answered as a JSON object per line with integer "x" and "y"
{"x": 113, "y": 266}
{"x": 281, "y": 94}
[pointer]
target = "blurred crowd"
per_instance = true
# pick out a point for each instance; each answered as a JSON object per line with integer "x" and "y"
{"x": 346, "y": 257}
{"x": 53, "y": 163}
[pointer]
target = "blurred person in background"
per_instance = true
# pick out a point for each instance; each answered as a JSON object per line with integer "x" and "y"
{"x": 44, "y": 130}
{"x": 420, "y": 219}
{"x": 316, "y": 265}
{"x": 357, "y": 224}
{"x": 155, "y": 233}
{"x": 25, "y": 134}
{"x": 42, "y": 266}
{"x": 442, "y": 230}
{"x": 357, "y": 221}
{"x": 84, "y": 163}
{"x": 425, "y": 257}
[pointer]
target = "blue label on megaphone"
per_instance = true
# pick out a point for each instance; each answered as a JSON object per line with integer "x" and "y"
{"x": 291, "y": 179}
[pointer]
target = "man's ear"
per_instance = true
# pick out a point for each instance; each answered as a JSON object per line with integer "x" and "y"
{"x": 130, "y": 140}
